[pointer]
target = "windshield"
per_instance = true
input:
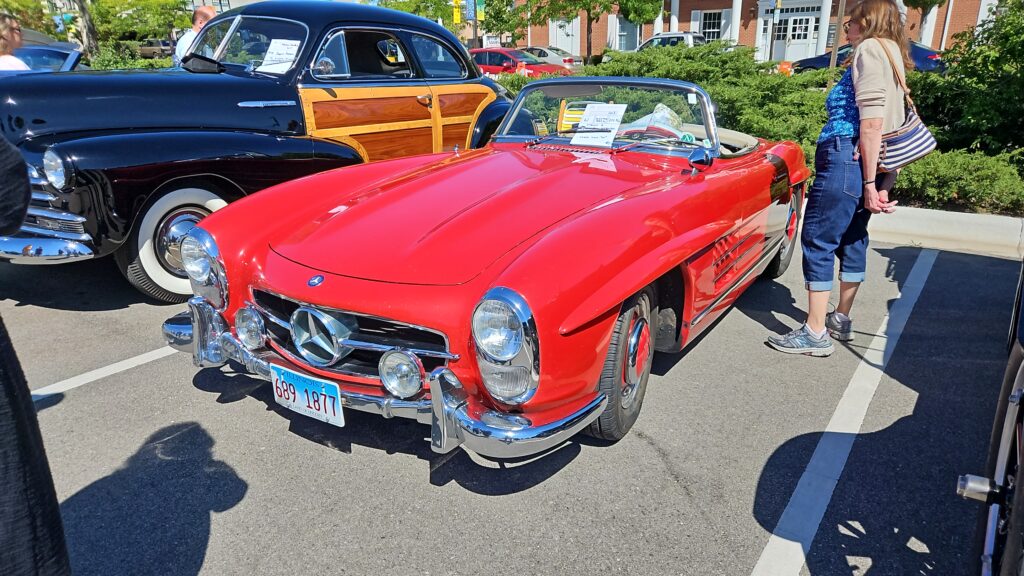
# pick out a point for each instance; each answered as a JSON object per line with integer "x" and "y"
{"x": 521, "y": 56}
{"x": 558, "y": 51}
{"x": 41, "y": 58}
{"x": 265, "y": 45}
{"x": 611, "y": 116}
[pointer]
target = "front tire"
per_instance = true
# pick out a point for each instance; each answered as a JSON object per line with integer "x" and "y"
{"x": 627, "y": 366}
{"x": 150, "y": 258}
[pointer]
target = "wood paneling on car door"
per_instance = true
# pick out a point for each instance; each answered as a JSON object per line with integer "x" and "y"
{"x": 457, "y": 107}
{"x": 378, "y": 122}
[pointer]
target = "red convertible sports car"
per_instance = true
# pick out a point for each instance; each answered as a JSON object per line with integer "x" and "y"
{"x": 510, "y": 296}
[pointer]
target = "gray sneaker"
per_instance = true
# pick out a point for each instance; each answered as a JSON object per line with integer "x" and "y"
{"x": 800, "y": 341}
{"x": 841, "y": 330}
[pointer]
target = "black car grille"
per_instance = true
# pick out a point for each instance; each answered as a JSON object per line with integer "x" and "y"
{"x": 373, "y": 337}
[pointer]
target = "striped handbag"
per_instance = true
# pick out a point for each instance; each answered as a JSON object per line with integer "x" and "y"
{"x": 911, "y": 141}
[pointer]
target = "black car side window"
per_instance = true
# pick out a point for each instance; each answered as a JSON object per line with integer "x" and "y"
{"x": 437, "y": 60}
{"x": 332, "y": 61}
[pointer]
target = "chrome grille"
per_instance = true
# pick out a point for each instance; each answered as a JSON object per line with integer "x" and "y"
{"x": 373, "y": 337}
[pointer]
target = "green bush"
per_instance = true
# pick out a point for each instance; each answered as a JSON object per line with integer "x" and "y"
{"x": 977, "y": 103}
{"x": 120, "y": 55}
{"x": 962, "y": 181}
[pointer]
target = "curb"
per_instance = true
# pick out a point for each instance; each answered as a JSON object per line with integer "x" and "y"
{"x": 986, "y": 234}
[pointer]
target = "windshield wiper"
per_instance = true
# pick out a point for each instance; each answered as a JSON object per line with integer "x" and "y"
{"x": 625, "y": 147}
{"x": 536, "y": 141}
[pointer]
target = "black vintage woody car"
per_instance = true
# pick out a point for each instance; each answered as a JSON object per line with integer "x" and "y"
{"x": 126, "y": 163}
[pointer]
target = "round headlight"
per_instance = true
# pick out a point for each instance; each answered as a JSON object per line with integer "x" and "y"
{"x": 54, "y": 168}
{"x": 401, "y": 372}
{"x": 497, "y": 330}
{"x": 197, "y": 263}
{"x": 249, "y": 328}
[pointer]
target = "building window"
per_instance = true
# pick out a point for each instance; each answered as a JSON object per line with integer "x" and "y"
{"x": 711, "y": 25}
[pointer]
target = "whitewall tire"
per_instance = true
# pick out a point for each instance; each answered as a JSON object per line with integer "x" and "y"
{"x": 150, "y": 258}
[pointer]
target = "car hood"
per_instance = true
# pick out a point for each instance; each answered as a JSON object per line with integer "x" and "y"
{"x": 444, "y": 223}
{"x": 41, "y": 104}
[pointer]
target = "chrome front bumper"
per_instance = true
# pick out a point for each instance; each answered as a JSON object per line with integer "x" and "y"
{"x": 202, "y": 332}
{"x": 30, "y": 247}
{"x": 49, "y": 235}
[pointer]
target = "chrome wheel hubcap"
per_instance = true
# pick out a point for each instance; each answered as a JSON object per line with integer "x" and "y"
{"x": 172, "y": 230}
{"x": 638, "y": 352}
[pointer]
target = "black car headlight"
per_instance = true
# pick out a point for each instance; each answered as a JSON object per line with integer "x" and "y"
{"x": 508, "y": 352}
{"x": 201, "y": 260}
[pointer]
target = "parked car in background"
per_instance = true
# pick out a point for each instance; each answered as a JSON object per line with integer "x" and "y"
{"x": 154, "y": 48}
{"x": 58, "y": 57}
{"x": 999, "y": 540}
{"x": 556, "y": 56}
{"x": 689, "y": 39}
{"x": 925, "y": 59}
{"x": 510, "y": 297}
{"x": 508, "y": 61}
{"x": 337, "y": 84}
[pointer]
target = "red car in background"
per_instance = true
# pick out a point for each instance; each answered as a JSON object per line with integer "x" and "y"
{"x": 509, "y": 61}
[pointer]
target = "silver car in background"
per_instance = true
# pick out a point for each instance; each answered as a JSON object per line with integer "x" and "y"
{"x": 556, "y": 56}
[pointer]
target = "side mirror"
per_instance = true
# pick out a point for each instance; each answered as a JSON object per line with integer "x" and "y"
{"x": 508, "y": 65}
{"x": 700, "y": 160}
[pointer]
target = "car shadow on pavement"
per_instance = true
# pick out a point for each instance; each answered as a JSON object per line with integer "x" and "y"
{"x": 152, "y": 515}
{"x": 87, "y": 286}
{"x": 395, "y": 436}
{"x": 895, "y": 508}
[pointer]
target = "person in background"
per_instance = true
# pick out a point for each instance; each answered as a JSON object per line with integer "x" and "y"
{"x": 200, "y": 17}
{"x": 31, "y": 532}
{"x": 866, "y": 103}
{"x": 10, "y": 40}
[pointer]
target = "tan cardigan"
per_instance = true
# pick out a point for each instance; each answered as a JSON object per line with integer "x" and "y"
{"x": 877, "y": 91}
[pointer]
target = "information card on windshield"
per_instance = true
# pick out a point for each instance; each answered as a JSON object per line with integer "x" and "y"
{"x": 598, "y": 125}
{"x": 279, "y": 56}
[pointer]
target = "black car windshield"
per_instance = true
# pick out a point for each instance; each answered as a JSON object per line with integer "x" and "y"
{"x": 263, "y": 45}
{"x": 610, "y": 116}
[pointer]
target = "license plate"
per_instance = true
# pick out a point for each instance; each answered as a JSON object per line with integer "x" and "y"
{"x": 308, "y": 396}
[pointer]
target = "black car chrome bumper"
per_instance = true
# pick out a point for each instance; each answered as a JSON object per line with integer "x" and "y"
{"x": 202, "y": 332}
{"x": 49, "y": 235}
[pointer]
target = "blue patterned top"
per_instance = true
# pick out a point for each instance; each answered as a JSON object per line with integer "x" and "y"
{"x": 843, "y": 115}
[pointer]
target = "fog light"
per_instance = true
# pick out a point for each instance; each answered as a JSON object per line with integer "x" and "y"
{"x": 249, "y": 328}
{"x": 402, "y": 373}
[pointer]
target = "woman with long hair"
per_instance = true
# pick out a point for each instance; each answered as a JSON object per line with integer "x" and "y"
{"x": 10, "y": 40}
{"x": 866, "y": 103}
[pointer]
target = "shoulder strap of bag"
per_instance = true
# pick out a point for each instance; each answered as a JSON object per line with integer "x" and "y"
{"x": 899, "y": 77}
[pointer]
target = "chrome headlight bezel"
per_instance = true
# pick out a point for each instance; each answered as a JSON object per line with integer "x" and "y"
{"x": 57, "y": 170}
{"x": 527, "y": 357}
{"x": 213, "y": 285}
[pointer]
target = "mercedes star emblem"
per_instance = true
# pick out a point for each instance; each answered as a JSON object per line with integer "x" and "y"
{"x": 316, "y": 280}
{"x": 317, "y": 336}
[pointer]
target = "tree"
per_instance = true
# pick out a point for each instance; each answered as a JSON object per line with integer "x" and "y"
{"x": 504, "y": 17}
{"x": 640, "y": 11}
{"x": 569, "y": 9}
{"x": 432, "y": 9}
{"x": 139, "y": 19}
{"x": 88, "y": 31}
{"x": 924, "y": 6}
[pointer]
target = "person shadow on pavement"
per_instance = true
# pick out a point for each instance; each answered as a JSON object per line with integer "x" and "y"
{"x": 152, "y": 515}
{"x": 894, "y": 509}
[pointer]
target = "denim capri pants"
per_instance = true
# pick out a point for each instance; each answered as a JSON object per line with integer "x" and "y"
{"x": 835, "y": 222}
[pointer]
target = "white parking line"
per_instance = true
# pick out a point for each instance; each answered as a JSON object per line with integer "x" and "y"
{"x": 786, "y": 551}
{"x": 93, "y": 375}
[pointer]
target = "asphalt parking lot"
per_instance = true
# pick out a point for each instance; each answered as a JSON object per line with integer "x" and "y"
{"x": 165, "y": 469}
